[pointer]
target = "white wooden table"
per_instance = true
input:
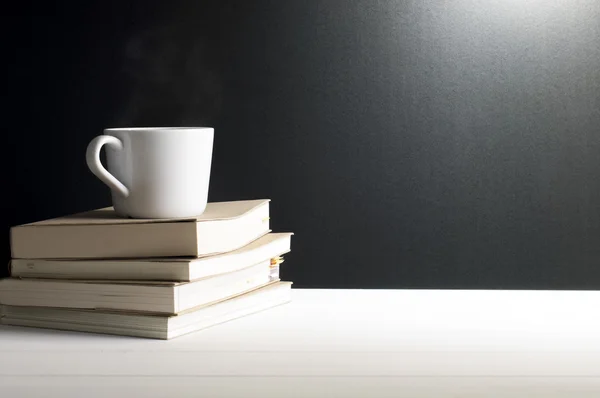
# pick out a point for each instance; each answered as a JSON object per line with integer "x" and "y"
{"x": 334, "y": 343}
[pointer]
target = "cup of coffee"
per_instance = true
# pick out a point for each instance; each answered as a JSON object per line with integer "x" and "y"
{"x": 155, "y": 172}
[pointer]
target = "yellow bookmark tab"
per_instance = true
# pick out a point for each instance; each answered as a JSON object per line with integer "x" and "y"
{"x": 276, "y": 261}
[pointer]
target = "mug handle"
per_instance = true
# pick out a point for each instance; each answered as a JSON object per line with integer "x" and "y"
{"x": 92, "y": 156}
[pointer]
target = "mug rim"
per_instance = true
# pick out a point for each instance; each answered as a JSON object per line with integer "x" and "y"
{"x": 156, "y": 128}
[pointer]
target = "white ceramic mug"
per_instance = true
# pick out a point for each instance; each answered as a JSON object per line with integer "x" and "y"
{"x": 155, "y": 172}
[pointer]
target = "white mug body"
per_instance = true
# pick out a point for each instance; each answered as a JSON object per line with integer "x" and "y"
{"x": 165, "y": 171}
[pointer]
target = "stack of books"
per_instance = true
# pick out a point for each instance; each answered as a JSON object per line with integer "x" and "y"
{"x": 154, "y": 278}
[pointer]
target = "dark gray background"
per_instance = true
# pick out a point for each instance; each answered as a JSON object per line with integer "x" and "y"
{"x": 440, "y": 144}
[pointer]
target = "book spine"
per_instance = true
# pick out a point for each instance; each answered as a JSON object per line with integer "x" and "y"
{"x": 104, "y": 241}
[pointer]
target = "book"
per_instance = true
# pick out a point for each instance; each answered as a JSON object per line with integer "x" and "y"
{"x": 149, "y": 296}
{"x": 148, "y": 325}
{"x": 188, "y": 269}
{"x": 101, "y": 233}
